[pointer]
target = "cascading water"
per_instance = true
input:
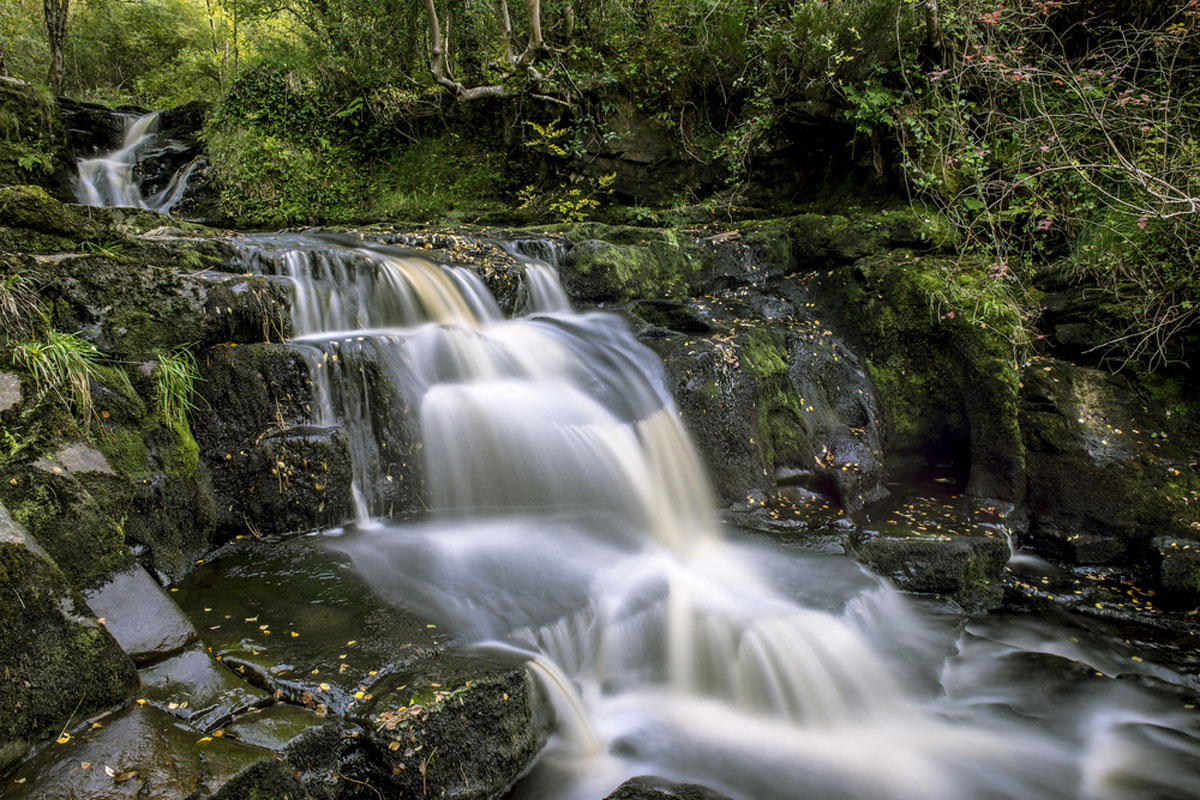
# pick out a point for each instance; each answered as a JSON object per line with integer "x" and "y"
{"x": 107, "y": 180}
{"x": 572, "y": 526}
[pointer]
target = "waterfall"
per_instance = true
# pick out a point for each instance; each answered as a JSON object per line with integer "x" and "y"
{"x": 108, "y": 180}
{"x": 571, "y": 526}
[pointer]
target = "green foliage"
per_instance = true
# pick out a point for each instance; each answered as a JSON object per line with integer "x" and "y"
{"x": 441, "y": 177}
{"x": 1048, "y": 132}
{"x": 266, "y": 180}
{"x": 64, "y": 364}
{"x": 19, "y": 309}
{"x": 175, "y": 377}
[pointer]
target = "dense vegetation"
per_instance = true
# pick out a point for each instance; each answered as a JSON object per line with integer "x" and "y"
{"x": 1044, "y": 132}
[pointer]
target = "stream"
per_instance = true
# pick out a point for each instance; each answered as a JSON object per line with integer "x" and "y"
{"x": 571, "y": 527}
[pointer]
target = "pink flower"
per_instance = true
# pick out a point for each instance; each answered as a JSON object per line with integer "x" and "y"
{"x": 1141, "y": 223}
{"x": 1045, "y": 224}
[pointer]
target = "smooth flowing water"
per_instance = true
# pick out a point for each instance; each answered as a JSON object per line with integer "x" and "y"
{"x": 108, "y": 180}
{"x": 571, "y": 526}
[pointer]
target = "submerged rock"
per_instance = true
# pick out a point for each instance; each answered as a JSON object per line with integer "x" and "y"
{"x": 196, "y": 688}
{"x": 144, "y": 752}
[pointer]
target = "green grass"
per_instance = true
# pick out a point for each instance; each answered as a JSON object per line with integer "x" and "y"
{"x": 64, "y": 364}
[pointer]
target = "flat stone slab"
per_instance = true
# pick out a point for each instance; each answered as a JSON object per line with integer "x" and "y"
{"x": 937, "y": 544}
{"x": 142, "y": 752}
{"x": 143, "y": 618}
{"x": 79, "y": 457}
{"x": 295, "y": 618}
{"x": 195, "y": 687}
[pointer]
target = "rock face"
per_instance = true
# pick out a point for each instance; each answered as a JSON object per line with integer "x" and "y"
{"x": 1113, "y": 473}
{"x": 61, "y": 666}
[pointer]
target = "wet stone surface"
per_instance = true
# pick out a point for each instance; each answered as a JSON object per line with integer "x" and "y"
{"x": 143, "y": 752}
{"x": 195, "y": 687}
{"x": 141, "y": 616}
{"x": 295, "y": 619}
{"x": 1113, "y": 602}
{"x": 936, "y": 543}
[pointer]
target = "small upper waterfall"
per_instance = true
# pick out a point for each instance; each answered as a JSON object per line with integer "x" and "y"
{"x": 108, "y": 179}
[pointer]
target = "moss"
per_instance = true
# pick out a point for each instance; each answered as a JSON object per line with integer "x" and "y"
{"x": 124, "y": 448}
{"x": 82, "y": 528}
{"x": 947, "y": 384}
{"x": 778, "y": 416}
{"x": 660, "y": 268}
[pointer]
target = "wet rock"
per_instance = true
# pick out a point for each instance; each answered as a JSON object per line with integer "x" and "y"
{"x": 648, "y": 787}
{"x": 1098, "y": 603}
{"x": 247, "y": 393}
{"x": 947, "y": 385}
{"x": 775, "y": 401}
{"x": 936, "y": 545}
{"x": 466, "y": 725}
{"x": 1111, "y": 468}
{"x": 142, "y": 617}
{"x": 92, "y": 128}
{"x": 716, "y": 400}
{"x": 302, "y": 736}
{"x": 301, "y": 480}
{"x": 59, "y": 663}
{"x": 131, "y": 310}
{"x": 196, "y": 688}
{"x": 143, "y": 752}
{"x": 295, "y": 618}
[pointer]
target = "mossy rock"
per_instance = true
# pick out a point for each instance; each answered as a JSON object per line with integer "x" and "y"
{"x": 465, "y": 724}
{"x": 131, "y": 309}
{"x": 1111, "y": 464}
{"x": 59, "y": 663}
{"x": 78, "y": 516}
{"x": 33, "y": 138}
{"x": 948, "y": 385}
{"x": 597, "y": 271}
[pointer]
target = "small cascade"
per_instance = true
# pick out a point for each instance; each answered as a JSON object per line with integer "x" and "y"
{"x": 108, "y": 179}
{"x": 571, "y": 527}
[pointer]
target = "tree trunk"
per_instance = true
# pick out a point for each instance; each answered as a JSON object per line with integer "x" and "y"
{"x": 56, "y": 33}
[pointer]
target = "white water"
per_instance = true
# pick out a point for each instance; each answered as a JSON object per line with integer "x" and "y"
{"x": 572, "y": 522}
{"x": 107, "y": 180}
